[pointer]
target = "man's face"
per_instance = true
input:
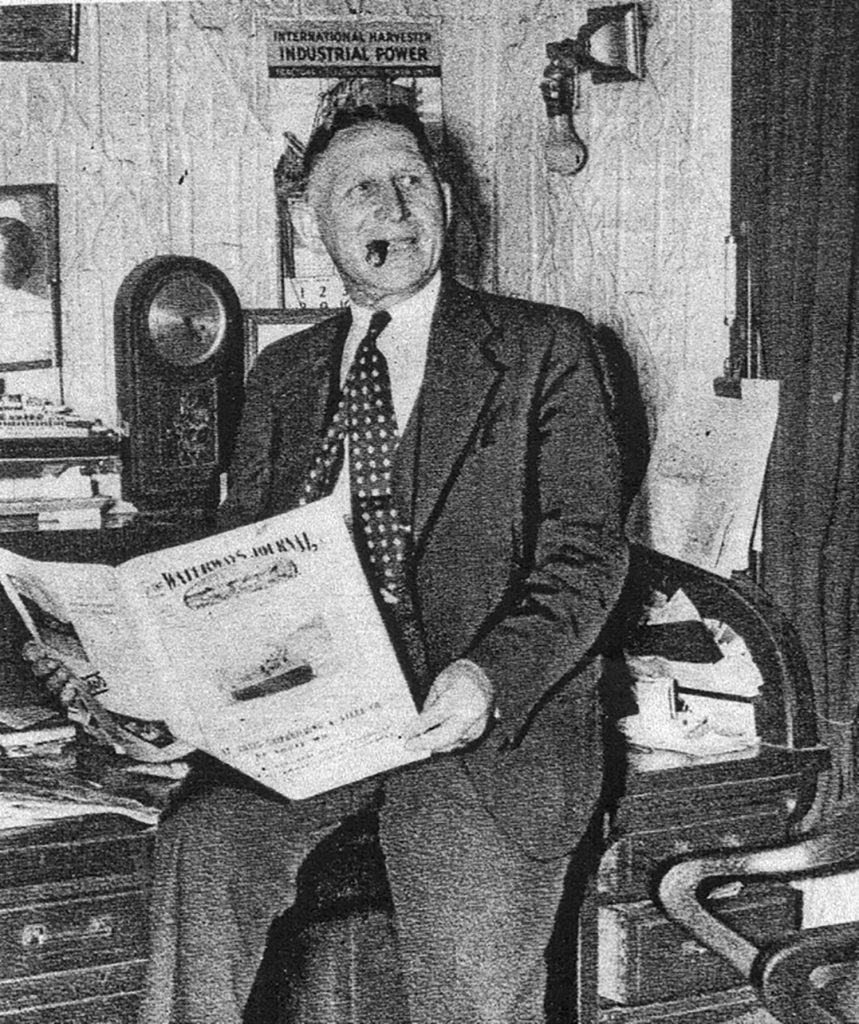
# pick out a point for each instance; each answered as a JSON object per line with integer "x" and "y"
{"x": 380, "y": 211}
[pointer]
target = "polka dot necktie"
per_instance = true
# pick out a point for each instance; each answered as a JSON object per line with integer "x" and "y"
{"x": 366, "y": 414}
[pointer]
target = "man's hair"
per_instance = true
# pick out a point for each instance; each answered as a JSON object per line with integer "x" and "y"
{"x": 20, "y": 253}
{"x": 365, "y": 115}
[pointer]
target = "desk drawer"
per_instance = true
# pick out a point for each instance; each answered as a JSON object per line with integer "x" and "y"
{"x": 71, "y": 852}
{"x": 93, "y": 986}
{"x": 39, "y": 938}
{"x": 713, "y": 1008}
{"x": 628, "y": 869}
{"x": 120, "y": 1008}
{"x": 645, "y": 958}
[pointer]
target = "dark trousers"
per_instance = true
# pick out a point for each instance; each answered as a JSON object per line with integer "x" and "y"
{"x": 473, "y": 914}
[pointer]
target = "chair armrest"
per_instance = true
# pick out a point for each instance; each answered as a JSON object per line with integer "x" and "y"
{"x": 681, "y": 887}
{"x": 783, "y": 972}
{"x": 679, "y": 891}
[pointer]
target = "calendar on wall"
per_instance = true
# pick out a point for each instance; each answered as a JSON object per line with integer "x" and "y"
{"x": 314, "y": 69}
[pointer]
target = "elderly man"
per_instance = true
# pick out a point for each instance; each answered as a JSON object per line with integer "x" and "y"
{"x": 491, "y": 536}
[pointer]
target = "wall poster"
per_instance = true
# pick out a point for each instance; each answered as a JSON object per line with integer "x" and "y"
{"x": 315, "y": 68}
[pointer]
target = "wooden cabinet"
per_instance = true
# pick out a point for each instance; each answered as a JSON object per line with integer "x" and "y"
{"x": 637, "y": 967}
{"x": 73, "y": 921}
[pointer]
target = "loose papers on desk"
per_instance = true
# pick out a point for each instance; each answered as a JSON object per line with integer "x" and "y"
{"x": 262, "y": 646}
{"x": 34, "y": 793}
{"x": 700, "y": 496}
{"x": 694, "y": 682}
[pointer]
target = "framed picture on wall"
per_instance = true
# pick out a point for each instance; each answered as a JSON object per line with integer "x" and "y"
{"x": 263, "y": 326}
{"x": 29, "y": 278}
{"x": 43, "y": 32}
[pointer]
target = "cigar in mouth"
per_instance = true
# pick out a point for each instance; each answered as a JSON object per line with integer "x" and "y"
{"x": 377, "y": 252}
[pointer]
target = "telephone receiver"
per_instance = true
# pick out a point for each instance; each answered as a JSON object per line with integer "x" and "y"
{"x": 610, "y": 45}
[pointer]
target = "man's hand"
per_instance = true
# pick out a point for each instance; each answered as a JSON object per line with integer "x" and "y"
{"x": 139, "y": 739}
{"x": 457, "y": 710}
{"x": 56, "y": 677}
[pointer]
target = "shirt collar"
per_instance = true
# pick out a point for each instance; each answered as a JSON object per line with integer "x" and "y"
{"x": 417, "y": 309}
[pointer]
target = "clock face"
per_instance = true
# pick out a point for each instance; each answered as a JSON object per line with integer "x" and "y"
{"x": 187, "y": 320}
{"x": 314, "y": 293}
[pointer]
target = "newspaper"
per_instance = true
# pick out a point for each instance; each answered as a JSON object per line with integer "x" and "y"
{"x": 261, "y": 646}
{"x": 699, "y": 501}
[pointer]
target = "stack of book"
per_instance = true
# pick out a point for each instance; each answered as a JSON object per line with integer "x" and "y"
{"x": 57, "y": 469}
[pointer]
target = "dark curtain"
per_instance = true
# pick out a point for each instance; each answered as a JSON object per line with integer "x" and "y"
{"x": 796, "y": 210}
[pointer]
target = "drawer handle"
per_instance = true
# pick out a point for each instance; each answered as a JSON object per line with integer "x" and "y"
{"x": 35, "y": 935}
{"x": 100, "y": 926}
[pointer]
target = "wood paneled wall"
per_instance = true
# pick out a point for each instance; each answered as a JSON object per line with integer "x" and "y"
{"x": 160, "y": 139}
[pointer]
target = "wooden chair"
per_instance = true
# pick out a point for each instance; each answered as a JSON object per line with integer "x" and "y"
{"x": 809, "y": 976}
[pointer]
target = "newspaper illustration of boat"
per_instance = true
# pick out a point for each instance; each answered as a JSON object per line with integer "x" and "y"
{"x": 224, "y": 584}
{"x": 306, "y": 654}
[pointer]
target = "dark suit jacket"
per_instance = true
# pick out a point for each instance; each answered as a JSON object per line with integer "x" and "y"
{"x": 509, "y": 472}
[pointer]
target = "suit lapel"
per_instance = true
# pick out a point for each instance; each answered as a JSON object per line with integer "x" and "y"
{"x": 462, "y": 373}
{"x": 326, "y": 366}
{"x": 309, "y": 407}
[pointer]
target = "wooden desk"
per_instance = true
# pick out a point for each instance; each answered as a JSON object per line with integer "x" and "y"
{"x": 73, "y": 925}
{"x": 73, "y": 941}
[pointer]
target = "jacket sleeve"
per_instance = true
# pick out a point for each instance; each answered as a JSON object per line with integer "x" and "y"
{"x": 575, "y": 554}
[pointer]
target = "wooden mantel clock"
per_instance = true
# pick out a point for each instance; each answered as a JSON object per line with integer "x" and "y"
{"x": 179, "y": 372}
